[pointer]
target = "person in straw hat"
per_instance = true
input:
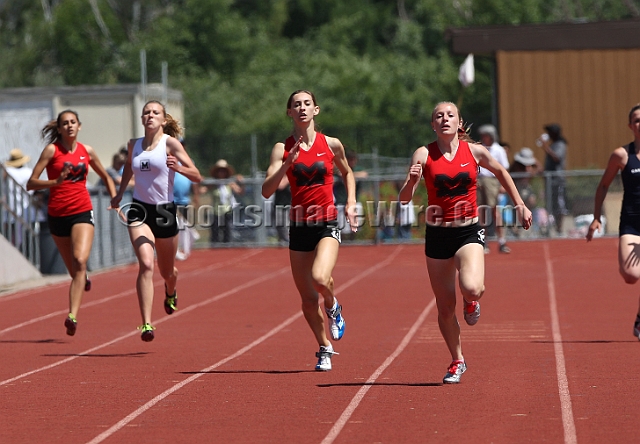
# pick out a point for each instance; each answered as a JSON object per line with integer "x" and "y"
{"x": 16, "y": 167}
{"x": 70, "y": 211}
{"x": 223, "y": 200}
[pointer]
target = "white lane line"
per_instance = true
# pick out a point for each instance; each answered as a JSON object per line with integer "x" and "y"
{"x": 120, "y": 424}
{"x": 166, "y": 318}
{"x": 186, "y": 274}
{"x": 355, "y": 401}
{"x": 563, "y": 384}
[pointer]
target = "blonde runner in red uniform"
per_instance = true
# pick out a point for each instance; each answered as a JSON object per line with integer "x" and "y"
{"x": 454, "y": 241}
{"x": 307, "y": 158}
{"x": 70, "y": 213}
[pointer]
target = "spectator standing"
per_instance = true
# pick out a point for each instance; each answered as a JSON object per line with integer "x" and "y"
{"x": 16, "y": 167}
{"x": 185, "y": 192}
{"x": 555, "y": 147}
{"x": 488, "y": 185}
{"x": 114, "y": 171}
{"x": 224, "y": 200}
{"x": 340, "y": 193}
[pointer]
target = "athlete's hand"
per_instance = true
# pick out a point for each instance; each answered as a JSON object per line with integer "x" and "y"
{"x": 115, "y": 202}
{"x": 415, "y": 173}
{"x": 595, "y": 226}
{"x": 525, "y": 216}
{"x": 294, "y": 152}
{"x": 66, "y": 169}
{"x": 352, "y": 213}
{"x": 172, "y": 162}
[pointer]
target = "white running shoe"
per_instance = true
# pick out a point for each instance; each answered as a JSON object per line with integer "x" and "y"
{"x": 324, "y": 358}
{"x": 336, "y": 322}
{"x": 471, "y": 312}
{"x": 455, "y": 371}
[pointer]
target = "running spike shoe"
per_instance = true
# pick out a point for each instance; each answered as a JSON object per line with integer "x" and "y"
{"x": 324, "y": 358}
{"x": 336, "y": 322}
{"x": 455, "y": 371}
{"x": 71, "y": 323}
{"x": 147, "y": 334}
{"x": 170, "y": 302}
{"x": 471, "y": 312}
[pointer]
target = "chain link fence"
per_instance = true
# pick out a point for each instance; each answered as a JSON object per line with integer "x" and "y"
{"x": 258, "y": 222}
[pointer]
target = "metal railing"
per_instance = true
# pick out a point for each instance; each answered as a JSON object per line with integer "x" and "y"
{"x": 253, "y": 218}
{"x": 20, "y": 217}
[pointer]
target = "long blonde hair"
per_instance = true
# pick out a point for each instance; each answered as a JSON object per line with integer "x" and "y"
{"x": 172, "y": 127}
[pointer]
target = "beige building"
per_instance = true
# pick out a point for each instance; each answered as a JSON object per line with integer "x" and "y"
{"x": 583, "y": 76}
{"x": 110, "y": 115}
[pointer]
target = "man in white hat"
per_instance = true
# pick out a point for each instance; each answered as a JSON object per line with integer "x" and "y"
{"x": 488, "y": 185}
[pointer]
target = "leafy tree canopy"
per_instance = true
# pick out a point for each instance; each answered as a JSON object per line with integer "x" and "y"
{"x": 377, "y": 67}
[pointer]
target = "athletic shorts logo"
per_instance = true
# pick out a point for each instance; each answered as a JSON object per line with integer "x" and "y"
{"x": 335, "y": 232}
{"x": 145, "y": 165}
{"x": 91, "y": 217}
{"x": 481, "y": 236}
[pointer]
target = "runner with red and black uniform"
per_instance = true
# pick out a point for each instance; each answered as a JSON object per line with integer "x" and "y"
{"x": 70, "y": 212}
{"x": 308, "y": 158}
{"x": 454, "y": 240}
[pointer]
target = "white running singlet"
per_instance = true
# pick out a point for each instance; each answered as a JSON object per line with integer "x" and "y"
{"x": 154, "y": 180}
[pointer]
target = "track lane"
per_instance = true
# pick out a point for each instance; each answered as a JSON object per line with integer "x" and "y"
{"x": 272, "y": 393}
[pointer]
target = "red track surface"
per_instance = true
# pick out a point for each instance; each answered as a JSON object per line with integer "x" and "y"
{"x": 235, "y": 363}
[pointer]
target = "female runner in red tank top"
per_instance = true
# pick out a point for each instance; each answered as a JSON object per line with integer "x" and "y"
{"x": 70, "y": 213}
{"x": 307, "y": 158}
{"x": 454, "y": 240}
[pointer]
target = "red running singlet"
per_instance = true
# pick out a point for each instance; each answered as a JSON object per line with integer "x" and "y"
{"x": 311, "y": 179}
{"x": 71, "y": 196}
{"x": 451, "y": 185}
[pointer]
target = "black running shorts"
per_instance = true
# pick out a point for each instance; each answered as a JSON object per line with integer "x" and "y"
{"x": 61, "y": 226}
{"x": 305, "y": 237}
{"x": 161, "y": 218}
{"x": 444, "y": 242}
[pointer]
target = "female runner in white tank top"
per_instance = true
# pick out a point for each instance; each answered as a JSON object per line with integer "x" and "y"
{"x": 151, "y": 218}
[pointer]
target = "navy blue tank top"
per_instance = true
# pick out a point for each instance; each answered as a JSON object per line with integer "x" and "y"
{"x": 631, "y": 184}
